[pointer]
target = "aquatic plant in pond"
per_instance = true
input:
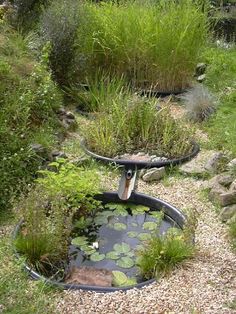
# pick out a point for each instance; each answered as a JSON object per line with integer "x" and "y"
{"x": 114, "y": 248}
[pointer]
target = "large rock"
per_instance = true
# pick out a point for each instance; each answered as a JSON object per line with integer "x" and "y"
{"x": 224, "y": 179}
{"x": 196, "y": 166}
{"x": 90, "y": 276}
{"x": 154, "y": 174}
{"x": 215, "y": 162}
{"x": 232, "y": 164}
{"x": 233, "y": 186}
{"x": 227, "y": 198}
{"x": 216, "y": 192}
{"x": 228, "y": 212}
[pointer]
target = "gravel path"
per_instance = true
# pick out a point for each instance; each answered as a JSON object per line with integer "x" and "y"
{"x": 206, "y": 284}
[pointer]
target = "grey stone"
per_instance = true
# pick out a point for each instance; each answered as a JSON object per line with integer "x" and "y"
{"x": 228, "y": 212}
{"x": 201, "y": 68}
{"x": 224, "y": 179}
{"x": 213, "y": 164}
{"x": 216, "y": 192}
{"x": 70, "y": 115}
{"x": 233, "y": 186}
{"x": 232, "y": 164}
{"x": 227, "y": 198}
{"x": 192, "y": 168}
{"x": 58, "y": 154}
{"x": 201, "y": 78}
{"x": 154, "y": 174}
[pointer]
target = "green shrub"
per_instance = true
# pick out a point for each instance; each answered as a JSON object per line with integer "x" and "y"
{"x": 59, "y": 25}
{"x": 134, "y": 124}
{"x": 48, "y": 212}
{"x": 153, "y": 45}
{"x": 27, "y": 104}
{"x": 27, "y": 13}
{"x": 162, "y": 254}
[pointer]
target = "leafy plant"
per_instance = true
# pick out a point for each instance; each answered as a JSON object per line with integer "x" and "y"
{"x": 28, "y": 102}
{"x": 199, "y": 102}
{"x": 160, "y": 254}
{"x": 49, "y": 211}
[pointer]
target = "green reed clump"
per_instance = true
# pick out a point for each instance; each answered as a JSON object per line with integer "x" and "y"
{"x": 161, "y": 254}
{"x": 98, "y": 94}
{"x": 135, "y": 124}
{"x": 152, "y": 45}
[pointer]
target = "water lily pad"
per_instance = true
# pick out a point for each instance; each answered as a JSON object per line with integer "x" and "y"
{"x": 125, "y": 262}
{"x": 96, "y": 257}
{"x": 119, "y": 226}
{"x": 150, "y": 225}
{"x": 144, "y": 236}
{"x": 157, "y": 215}
{"x": 132, "y": 234}
{"x": 113, "y": 255}
{"x": 89, "y": 251}
{"x": 121, "y": 280}
{"x": 122, "y": 248}
{"x": 120, "y": 212}
{"x": 134, "y": 224}
{"x": 79, "y": 241}
{"x": 139, "y": 209}
{"x": 130, "y": 254}
{"x": 100, "y": 220}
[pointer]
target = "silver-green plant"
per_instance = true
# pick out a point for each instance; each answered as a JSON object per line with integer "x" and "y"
{"x": 199, "y": 102}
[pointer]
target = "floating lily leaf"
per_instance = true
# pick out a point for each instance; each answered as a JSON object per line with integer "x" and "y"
{"x": 120, "y": 212}
{"x": 157, "y": 215}
{"x": 139, "y": 209}
{"x": 119, "y": 278}
{"x": 125, "y": 262}
{"x": 133, "y": 224}
{"x": 100, "y": 220}
{"x": 122, "y": 248}
{"x": 89, "y": 251}
{"x": 113, "y": 255}
{"x": 106, "y": 213}
{"x": 96, "y": 257}
{"x": 131, "y": 282}
{"x": 119, "y": 226}
{"x": 150, "y": 225}
{"x": 79, "y": 241}
{"x": 132, "y": 234}
{"x": 130, "y": 254}
{"x": 144, "y": 236}
{"x": 116, "y": 206}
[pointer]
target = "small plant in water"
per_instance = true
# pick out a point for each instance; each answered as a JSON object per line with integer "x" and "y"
{"x": 161, "y": 254}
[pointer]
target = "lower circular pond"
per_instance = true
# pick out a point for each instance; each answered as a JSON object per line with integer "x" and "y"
{"x": 108, "y": 241}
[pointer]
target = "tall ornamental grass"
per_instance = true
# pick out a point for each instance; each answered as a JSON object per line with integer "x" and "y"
{"x": 154, "y": 45}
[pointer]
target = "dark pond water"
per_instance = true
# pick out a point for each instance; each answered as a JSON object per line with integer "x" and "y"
{"x": 118, "y": 238}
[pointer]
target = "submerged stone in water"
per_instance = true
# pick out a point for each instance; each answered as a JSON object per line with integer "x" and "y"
{"x": 86, "y": 275}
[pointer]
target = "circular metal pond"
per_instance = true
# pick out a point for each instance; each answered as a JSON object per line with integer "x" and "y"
{"x": 142, "y": 164}
{"x": 132, "y": 228}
